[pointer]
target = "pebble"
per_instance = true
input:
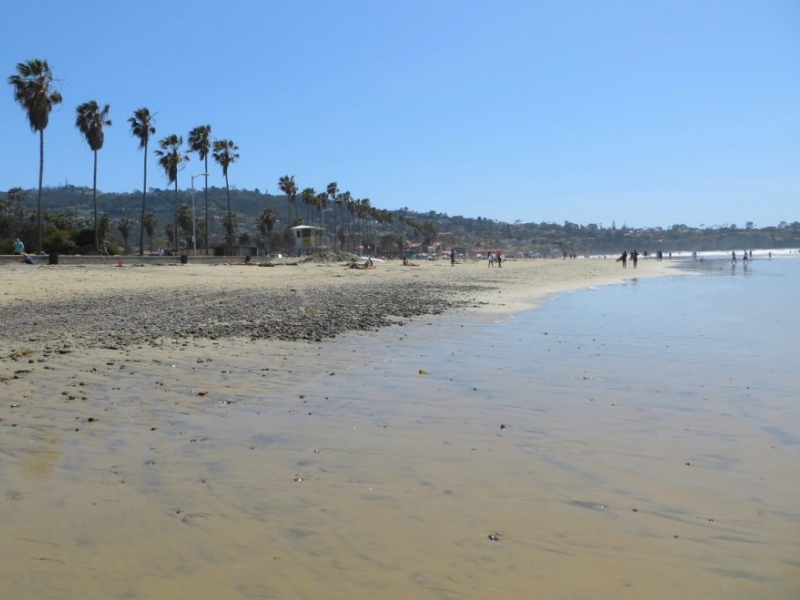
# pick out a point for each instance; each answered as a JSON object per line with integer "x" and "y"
{"x": 125, "y": 318}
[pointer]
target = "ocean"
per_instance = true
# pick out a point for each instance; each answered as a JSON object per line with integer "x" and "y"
{"x": 634, "y": 440}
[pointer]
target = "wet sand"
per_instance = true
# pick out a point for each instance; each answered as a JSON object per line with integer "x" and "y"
{"x": 373, "y": 465}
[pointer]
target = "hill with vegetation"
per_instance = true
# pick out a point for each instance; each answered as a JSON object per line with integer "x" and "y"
{"x": 350, "y": 224}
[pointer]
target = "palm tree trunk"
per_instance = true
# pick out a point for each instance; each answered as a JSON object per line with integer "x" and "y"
{"x": 144, "y": 202}
{"x": 94, "y": 197}
{"x": 334, "y": 225}
{"x": 177, "y": 244}
{"x": 230, "y": 223}
{"x": 39, "y": 197}
{"x": 208, "y": 224}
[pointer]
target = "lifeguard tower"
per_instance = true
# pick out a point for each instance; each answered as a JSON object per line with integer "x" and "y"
{"x": 307, "y": 237}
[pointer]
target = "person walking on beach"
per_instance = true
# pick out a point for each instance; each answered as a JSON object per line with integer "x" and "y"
{"x": 19, "y": 247}
{"x": 452, "y": 257}
{"x": 499, "y": 259}
{"x": 624, "y": 259}
{"x": 733, "y": 257}
{"x": 744, "y": 257}
{"x": 491, "y": 258}
{"x": 634, "y": 258}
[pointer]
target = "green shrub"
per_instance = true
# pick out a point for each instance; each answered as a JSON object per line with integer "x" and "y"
{"x": 58, "y": 241}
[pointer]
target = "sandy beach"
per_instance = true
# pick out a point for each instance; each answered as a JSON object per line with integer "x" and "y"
{"x": 258, "y": 433}
{"x": 522, "y": 281}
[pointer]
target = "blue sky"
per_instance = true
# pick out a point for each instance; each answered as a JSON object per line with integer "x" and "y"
{"x": 642, "y": 112}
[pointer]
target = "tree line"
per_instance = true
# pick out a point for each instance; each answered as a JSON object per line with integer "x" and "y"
{"x": 34, "y": 90}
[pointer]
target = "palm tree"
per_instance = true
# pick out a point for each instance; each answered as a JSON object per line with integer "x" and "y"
{"x": 350, "y": 207}
{"x": 339, "y": 203}
{"x": 200, "y": 142}
{"x": 90, "y": 122}
{"x": 289, "y": 187}
{"x": 266, "y": 222}
{"x": 185, "y": 222}
{"x": 171, "y": 160}
{"x": 332, "y": 190}
{"x": 142, "y": 127}
{"x": 150, "y": 223}
{"x": 202, "y": 230}
{"x": 321, "y": 201}
{"x": 33, "y": 83}
{"x": 103, "y": 227}
{"x": 225, "y": 155}
{"x": 169, "y": 230}
{"x": 309, "y": 197}
{"x": 230, "y": 222}
{"x": 125, "y": 225}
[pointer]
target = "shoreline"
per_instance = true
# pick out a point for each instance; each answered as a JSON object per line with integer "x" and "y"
{"x": 105, "y": 306}
{"x": 251, "y": 467}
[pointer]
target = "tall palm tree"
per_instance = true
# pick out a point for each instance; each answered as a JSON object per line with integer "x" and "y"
{"x": 321, "y": 202}
{"x": 225, "y": 154}
{"x": 103, "y": 227}
{"x": 332, "y": 191}
{"x": 150, "y": 223}
{"x": 364, "y": 212}
{"x": 202, "y": 230}
{"x": 289, "y": 187}
{"x": 266, "y": 223}
{"x": 309, "y": 197}
{"x": 125, "y": 225}
{"x": 171, "y": 159}
{"x": 230, "y": 222}
{"x": 350, "y": 207}
{"x": 90, "y": 122}
{"x": 142, "y": 127}
{"x": 33, "y": 90}
{"x": 200, "y": 142}
{"x": 185, "y": 222}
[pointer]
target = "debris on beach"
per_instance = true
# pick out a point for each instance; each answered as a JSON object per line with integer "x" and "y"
{"x": 315, "y": 313}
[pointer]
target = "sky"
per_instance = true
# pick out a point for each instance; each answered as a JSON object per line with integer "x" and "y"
{"x": 642, "y": 113}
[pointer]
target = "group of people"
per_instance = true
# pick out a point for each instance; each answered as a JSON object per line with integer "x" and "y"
{"x": 492, "y": 256}
{"x": 634, "y": 256}
{"x": 745, "y": 256}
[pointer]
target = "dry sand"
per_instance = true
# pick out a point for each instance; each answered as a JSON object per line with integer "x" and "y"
{"x": 522, "y": 281}
{"x": 240, "y": 468}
